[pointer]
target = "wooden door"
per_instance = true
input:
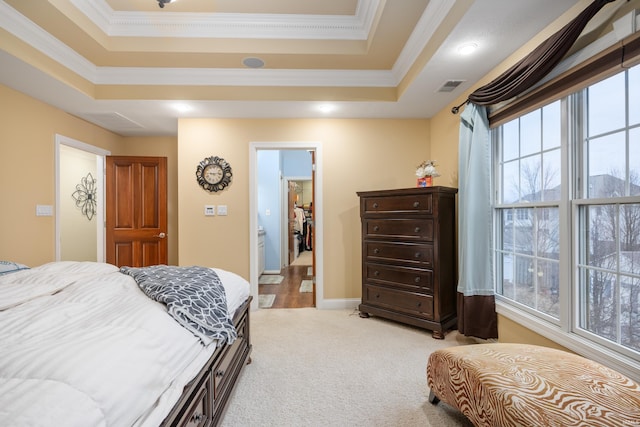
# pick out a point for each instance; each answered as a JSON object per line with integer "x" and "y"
{"x": 136, "y": 198}
{"x": 291, "y": 215}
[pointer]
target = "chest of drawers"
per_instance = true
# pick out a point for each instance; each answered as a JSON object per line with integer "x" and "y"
{"x": 409, "y": 256}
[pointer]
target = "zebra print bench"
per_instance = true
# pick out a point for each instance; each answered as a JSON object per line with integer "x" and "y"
{"x": 524, "y": 385}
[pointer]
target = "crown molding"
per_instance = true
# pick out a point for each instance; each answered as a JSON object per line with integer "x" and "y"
{"x": 244, "y": 77}
{"x": 429, "y": 22}
{"x": 27, "y": 31}
{"x": 231, "y": 25}
{"x": 24, "y": 29}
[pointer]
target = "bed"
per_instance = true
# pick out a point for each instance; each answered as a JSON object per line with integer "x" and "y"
{"x": 82, "y": 344}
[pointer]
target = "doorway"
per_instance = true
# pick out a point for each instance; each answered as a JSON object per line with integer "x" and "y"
{"x": 79, "y": 209}
{"x": 258, "y": 182}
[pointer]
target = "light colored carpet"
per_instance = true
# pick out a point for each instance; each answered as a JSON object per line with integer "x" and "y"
{"x": 270, "y": 279}
{"x": 306, "y": 286}
{"x": 310, "y": 271}
{"x": 332, "y": 368}
{"x": 266, "y": 300}
{"x": 305, "y": 258}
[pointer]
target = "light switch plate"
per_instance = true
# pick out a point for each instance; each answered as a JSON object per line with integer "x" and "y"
{"x": 222, "y": 210}
{"x": 44, "y": 210}
{"x": 209, "y": 210}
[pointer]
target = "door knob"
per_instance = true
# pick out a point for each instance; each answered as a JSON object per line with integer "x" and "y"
{"x": 161, "y": 235}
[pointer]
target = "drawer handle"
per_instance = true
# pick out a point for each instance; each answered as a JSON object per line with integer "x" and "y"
{"x": 376, "y": 273}
{"x": 419, "y": 304}
{"x": 377, "y": 295}
{"x": 417, "y": 229}
{"x": 219, "y": 373}
{"x": 417, "y": 255}
{"x": 376, "y": 228}
{"x": 416, "y": 204}
{"x": 375, "y": 206}
{"x": 197, "y": 417}
{"x": 417, "y": 279}
{"x": 376, "y": 251}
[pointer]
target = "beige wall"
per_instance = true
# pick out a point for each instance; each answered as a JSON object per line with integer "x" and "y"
{"x": 27, "y": 171}
{"x": 357, "y": 155}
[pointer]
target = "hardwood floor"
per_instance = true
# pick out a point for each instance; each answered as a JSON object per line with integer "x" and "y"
{"x": 288, "y": 293}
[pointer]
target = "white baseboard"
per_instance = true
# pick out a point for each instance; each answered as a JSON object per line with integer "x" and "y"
{"x": 338, "y": 304}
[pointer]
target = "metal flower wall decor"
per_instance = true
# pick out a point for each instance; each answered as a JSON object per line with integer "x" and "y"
{"x": 85, "y": 196}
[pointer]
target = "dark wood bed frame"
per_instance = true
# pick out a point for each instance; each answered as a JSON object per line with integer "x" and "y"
{"x": 205, "y": 398}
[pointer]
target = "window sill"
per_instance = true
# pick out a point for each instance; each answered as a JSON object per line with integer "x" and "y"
{"x": 572, "y": 341}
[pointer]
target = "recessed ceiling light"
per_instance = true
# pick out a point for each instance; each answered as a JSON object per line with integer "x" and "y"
{"x": 326, "y": 108}
{"x": 181, "y": 107}
{"x": 253, "y": 62}
{"x": 467, "y": 48}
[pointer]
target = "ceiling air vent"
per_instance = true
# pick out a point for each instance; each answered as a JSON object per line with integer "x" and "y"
{"x": 113, "y": 121}
{"x": 450, "y": 85}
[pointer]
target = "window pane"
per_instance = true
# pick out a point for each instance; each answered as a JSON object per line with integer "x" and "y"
{"x": 524, "y": 273}
{"x": 598, "y": 312}
{"x": 548, "y": 288}
{"x": 630, "y": 239}
{"x": 530, "y": 133}
{"x": 634, "y": 160}
{"x": 607, "y": 166}
{"x": 511, "y": 138}
{"x": 551, "y": 126}
{"x": 601, "y": 246}
{"x": 523, "y": 231}
{"x": 630, "y": 312}
{"x": 510, "y": 182}
{"x": 507, "y": 230}
{"x": 530, "y": 179}
{"x": 548, "y": 239}
{"x": 551, "y": 176}
{"x": 606, "y": 105}
{"x": 634, "y": 101}
{"x": 508, "y": 288}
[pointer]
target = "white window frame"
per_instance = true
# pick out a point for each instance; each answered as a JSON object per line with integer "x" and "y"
{"x": 565, "y": 331}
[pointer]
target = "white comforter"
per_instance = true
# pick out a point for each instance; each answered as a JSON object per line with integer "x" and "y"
{"x": 81, "y": 345}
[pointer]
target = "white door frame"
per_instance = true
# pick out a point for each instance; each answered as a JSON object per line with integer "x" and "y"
{"x": 100, "y": 214}
{"x": 253, "y": 213}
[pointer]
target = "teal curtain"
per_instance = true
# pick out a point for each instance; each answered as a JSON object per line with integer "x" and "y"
{"x": 476, "y": 301}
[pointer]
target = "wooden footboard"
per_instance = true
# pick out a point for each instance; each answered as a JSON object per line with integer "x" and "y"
{"x": 205, "y": 398}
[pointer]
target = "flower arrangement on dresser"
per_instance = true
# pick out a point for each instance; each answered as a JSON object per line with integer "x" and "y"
{"x": 425, "y": 172}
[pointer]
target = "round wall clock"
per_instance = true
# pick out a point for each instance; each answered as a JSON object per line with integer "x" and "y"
{"x": 213, "y": 173}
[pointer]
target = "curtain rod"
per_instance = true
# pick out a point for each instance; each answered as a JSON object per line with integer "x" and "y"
{"x": 455, "y": 109}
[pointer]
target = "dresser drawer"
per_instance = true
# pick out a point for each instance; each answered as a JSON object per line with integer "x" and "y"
{"x": 416, "y": 279}
{"x": 407, "y": 302}
{"x": 416, "y": 203}
{"x": 405, "y": 253}
{"x": 405, "y": 229}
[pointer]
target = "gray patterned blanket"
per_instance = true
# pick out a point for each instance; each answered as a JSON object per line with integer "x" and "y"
{"x": 194, "y": 297}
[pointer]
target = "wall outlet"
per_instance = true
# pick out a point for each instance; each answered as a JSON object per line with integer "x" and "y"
{"x": 222, "y": 210}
